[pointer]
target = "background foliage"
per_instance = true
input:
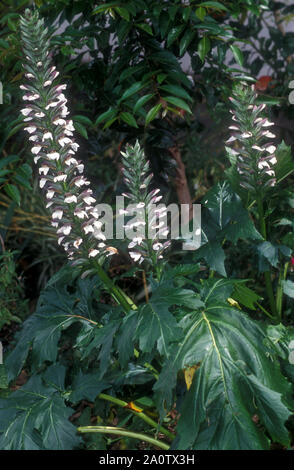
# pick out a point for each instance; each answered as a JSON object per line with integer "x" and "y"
{"x": 161, "y": 72}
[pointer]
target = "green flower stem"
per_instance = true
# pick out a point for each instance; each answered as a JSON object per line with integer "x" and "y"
{"x": 282, "y": 277}
{"x": 140, "y": 414}
{"x": 267, "y": 274}
{"x": 123, "y": 432}
{"x": 265, "y": 311}
{"x": 120, "y": 297}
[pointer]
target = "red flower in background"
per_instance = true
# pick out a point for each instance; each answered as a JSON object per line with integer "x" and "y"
{"x": 263, "y": 83}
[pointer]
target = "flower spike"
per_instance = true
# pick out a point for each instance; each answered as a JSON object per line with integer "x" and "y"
{"x": 54, "y": 149}
{"x": 248, "y": 149}
{"x": 150, "y": 229}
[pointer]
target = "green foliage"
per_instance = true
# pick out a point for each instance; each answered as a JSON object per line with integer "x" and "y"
{"x": 13, "y": 306}
{"x": 235, "y": 379}
{"x": 89, "y": 359}
{"x": 223, "y": 218}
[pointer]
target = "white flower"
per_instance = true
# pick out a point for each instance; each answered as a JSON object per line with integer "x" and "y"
{"x": 39, "y": 64}
{"x": 50, "y": 194}
{"x": 57, "y": 214}
{"x": 81, "y": 181}
{"x": 65, "y": 229}
{"x": 89, "y": 200}
{"x": 36, "y": 149}
{"x": 47, "y": 135}
{"x": 53, "y": 104}
{"x": 77, "y": 242}
{"x": 26, "y": 111}
{"x": 267, "y": 123}
{"x": 157, "y": 246}
{"x": 54, "y": 75}
{"x": 156, "y": 199}
{"x": 135, "y": 255}
{"x": 32, "y": 97}
{"x": 30, "y": 129}
{"x": 60, "y": 240}
{"x": 271, "y": 149}
{"x": 98, "y": 234}
{"x": 43, "y": 181}
{"x": 53, "y": 156}
{"x": 88, "y": 228}
{"x": 70, "y": 161}
{"x": 64, "y": 140}
{"x": 33, "y": 138}
{"x": 81, "y": 214}
{"x": 93, "y": 253}
{"x": 47, "y": 83}
{"x": 43, "y": 170}
{"x": 40, "y": 115}
{"x": 58, "y": 178}
{"x": 75, "y": 146}
{"x": 69, "y": 125}
{"x": 70, "y": 198}
{"x": 61, "y": 87}
{"x": 59, "y": 122}
{"x": 268, "y": 134}
{"x": 256, "y": 147}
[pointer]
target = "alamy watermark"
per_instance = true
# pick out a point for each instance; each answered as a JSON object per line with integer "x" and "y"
{"x": 291, "y": 94}
{"x": 137, "y": 221}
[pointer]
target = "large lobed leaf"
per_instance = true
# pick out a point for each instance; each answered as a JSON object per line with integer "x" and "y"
{"x": 238, "y": 396}
{"x": 35, "y": 417}
{"x": 223, "y": 218}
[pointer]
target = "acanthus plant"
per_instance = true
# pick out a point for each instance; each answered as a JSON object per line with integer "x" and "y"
{"x": 191, "y": 345}
{"x": 258, "y": 168}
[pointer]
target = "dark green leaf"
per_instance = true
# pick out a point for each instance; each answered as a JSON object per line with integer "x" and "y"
{"x": 128, "y": 118}
{"x": 123, "y": 12}
{"x": 86, "y": 387}
{"x": 200, "y": 13}
{"x": 174, "y": 34}
{"x": 152, "y": 113}
{"x": 237, "y": 54}
{"x": 178, "y": 102}
{"x": 215, "y": 5}
{"x": 13, "y": 192}
{"x": 143, "y": 100}
{"x": 203, "y": 47}
{"x": 236, "y": 380}
{"x": 132, "y": 90}
{"x": 81, "y": 129}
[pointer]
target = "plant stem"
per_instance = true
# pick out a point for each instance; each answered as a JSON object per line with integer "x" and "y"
{"x": 267, "y": 274}
{"x": 265, "y": 311}
{"x": 282, "y": 277}
{"x": 120, "y": 297}
{"x": 124, "y": 432}
{"x": 141, "y": 414}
